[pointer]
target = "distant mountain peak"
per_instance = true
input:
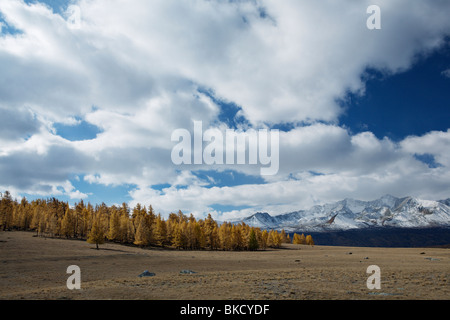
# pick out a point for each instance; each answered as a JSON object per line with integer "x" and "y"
{"x": 262, "y": 214}
{"x": 387, "y": 211}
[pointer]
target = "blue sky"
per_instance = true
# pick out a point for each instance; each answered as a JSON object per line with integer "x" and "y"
{"x": 82, "y": 130}
{"x": 57, "y": 6}
{"x": 89, "y": 102}
{"x": 412, "y": 102}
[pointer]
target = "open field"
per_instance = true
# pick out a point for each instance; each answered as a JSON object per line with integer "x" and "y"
{"x": 35, "y": 268}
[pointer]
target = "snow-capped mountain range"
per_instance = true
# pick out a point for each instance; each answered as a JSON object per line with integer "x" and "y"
{"x": 347, "y": 214}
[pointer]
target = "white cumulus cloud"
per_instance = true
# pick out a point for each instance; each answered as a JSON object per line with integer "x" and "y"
{"x": 137, "y": 69}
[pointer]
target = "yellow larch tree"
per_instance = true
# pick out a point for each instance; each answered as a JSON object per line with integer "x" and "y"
{"x": 96, "y": 234}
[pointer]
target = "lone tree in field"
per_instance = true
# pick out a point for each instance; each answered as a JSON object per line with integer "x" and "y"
{"x": 96, "y": 235}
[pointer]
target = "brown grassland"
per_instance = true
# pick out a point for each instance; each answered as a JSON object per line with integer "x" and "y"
{"x": 35, "y": 268}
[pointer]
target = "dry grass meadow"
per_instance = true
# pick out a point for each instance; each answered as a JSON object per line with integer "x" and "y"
{"x": 34, "y": 268}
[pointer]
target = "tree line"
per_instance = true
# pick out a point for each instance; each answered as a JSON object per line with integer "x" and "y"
{"x": 140, "y": 226}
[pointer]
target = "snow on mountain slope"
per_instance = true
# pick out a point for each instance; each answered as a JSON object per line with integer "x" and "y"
{"x": 349, "y": 214}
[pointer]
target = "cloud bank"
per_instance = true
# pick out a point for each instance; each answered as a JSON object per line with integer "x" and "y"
{"x": 138, "y": 70}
